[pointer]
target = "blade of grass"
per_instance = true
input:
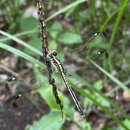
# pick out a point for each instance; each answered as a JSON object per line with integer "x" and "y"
{"x": 19, "y": 34}
{"x": 117, "y": 21}
{"x": 115, "y": 28}
{"x": 108, "y": 4}
{"x": 21, "y": 42}
{"x": 22, "y": 54}
{"x": 115, "y": 89}
{"x": 93, "y": 8}
{"x": 102, "y": 28}
{"x": 110, "y": 76}
{"x": 70, "y": 6}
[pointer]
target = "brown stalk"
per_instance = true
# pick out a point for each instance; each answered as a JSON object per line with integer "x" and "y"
{"x": 43, "y": 33}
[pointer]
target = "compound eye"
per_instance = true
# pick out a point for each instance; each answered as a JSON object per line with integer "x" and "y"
{"x": 55, "y": 53}
{"x": 48, "y": 58}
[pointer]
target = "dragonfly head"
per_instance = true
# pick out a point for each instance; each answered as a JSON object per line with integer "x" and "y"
{"x": 52, "y": 53}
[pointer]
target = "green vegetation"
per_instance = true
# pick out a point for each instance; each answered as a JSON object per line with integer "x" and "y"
{"x": 72, "y": 29}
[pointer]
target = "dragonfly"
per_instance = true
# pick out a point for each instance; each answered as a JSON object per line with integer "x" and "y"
{"x": 59, "y": 67}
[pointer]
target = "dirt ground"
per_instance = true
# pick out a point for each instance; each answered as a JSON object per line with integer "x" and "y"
{"x": 17, "y": 117}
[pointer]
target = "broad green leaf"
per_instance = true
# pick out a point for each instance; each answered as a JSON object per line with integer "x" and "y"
{"x": 87, "y": 12}
{"x": 98, "y": 84}
{"x": 55, "y": 29}
{"x": 52, "y": 45}
{"x": 28, "y": 23}
{"x": 68, "y": 108}
{"x": 51, "y": 121}
{"x": 47, "y": 94}
{"x": 54, "y": 33}
{"x": 69, "y": 38}
{"x": 85, "y": 125}
{"x": 56, "y": 26}
{"x": 61, "y": 55}
{"x": 34, "y": 42}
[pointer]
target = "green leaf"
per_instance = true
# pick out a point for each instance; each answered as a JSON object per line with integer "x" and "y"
{"x": 28, "y": 23}
{"x": 51, "y": 121}
{"x": 54, "y": 33}
{"x": 68, "y": 108}
{"x": 60, "y": 55}
{"x": 47, "y": 94}
{"x": 69, "y": 38}
{"x": 87, "y": 12}
{"x": 55, "y": 29}
{"x": 85, "y": 125}
{"x": 34, "y": 42}
{"x": 98, "y": 84}
{"x": 52, "y": 45}
{"x": 56, "y": 26}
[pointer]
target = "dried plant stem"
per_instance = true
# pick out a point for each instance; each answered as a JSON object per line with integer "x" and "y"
{"x": 43, "y": 33}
